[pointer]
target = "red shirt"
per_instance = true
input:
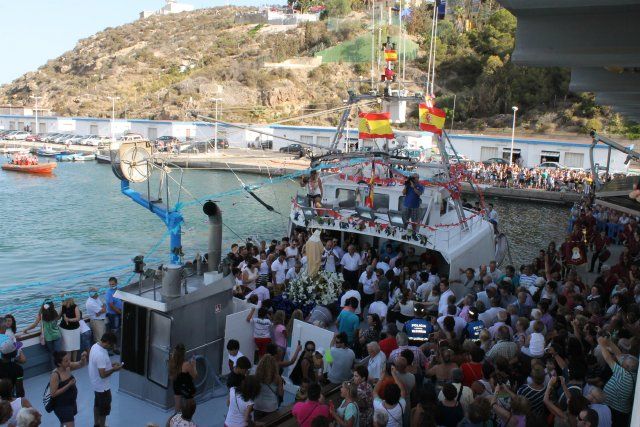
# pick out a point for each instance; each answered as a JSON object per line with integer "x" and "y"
{"x": 471, "y": 371}
{"x": 306, "y": 412}
{"x": 387, "y": 345}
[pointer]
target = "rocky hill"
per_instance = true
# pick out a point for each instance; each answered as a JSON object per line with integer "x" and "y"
{"x": 165, "y": 66}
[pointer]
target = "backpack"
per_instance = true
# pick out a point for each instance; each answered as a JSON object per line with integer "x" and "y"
{"x": 48, "y": 401}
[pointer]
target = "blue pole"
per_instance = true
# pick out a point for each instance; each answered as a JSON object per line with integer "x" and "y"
{"x": 172, "y": 219}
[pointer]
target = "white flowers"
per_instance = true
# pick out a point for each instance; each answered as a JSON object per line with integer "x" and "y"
{"x": 323, "y": 288}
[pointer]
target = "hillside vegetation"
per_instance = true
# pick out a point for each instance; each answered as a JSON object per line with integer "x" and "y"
{"x": 164, "y": 67}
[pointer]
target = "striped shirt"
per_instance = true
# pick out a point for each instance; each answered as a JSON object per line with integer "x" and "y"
{"x": 535, "y": 398}
{"x": 619, "y": 389}
{"x": 528, "y": 281}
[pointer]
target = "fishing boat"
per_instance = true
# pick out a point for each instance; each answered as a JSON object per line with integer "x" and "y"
{"x": 42, "y": 169}
{"x": 103, "y": 156}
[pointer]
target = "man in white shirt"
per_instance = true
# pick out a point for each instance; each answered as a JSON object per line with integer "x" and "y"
{"x": 292, "y": 253}
{"x": 379, "y": 307}
{"x": 384, "y": 264}
{"x": 330, "y": 258}
{"x": 494, "y": 272}
{"x": 261, "y": 292}
{"x": 100, "y": 369}
{"x": 493, "y": 214}
{"x": 459, "y": 321}
{"x": 528, "y": 279}
{"x": 424, "y": 289}
{"x": 97, "y": 313}
{"x": 279, "y": 268}
{"x": 500, "y": 321}
{"x": 490, "y": 316}
{"x": 368, "y": 285}
{"x": 293, "y": 273}
{"x": 444, "y": 296}
{"x": 338, "y": 250}
{"x": 351, "y": 266}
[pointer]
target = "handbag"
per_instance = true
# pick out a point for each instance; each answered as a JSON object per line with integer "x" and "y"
{"x": 47, "y": 401}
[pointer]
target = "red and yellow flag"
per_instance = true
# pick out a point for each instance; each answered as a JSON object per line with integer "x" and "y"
{"x": 375, "y": 125}
{"x": 390, "y": 55}
{"x": 431, "y": 118}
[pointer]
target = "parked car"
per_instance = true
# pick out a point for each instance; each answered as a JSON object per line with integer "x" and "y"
{"x": 32, "y": 138}
{"x": 267, "y": 145}
{"x": 76, "y": 139}
{"x": 221, "y": 143}
{"x": 551, "y": 165}
{"x": 95, "y": 140}
{"x": 166, "y": 139}
{"x": 5, "y": 133}
{"x": 51, "y": 136}
{"x": 19, "y": 135}
{"x": 293, "y": 148}
{"x": 496, "y": 160}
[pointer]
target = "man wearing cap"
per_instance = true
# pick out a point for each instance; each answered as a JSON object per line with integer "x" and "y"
{"x": 10, "y": 369}
{"x": 114, "y": 310}
{"x": 419, "y": 328}
{"x": 97, "y": 312}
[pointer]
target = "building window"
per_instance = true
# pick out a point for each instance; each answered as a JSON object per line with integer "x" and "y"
{"x": 306, "y": 139}
{"x": 574, "y": 160}
{"x": 152, "y": 134}
{"x": 487, "y": 153}
{"x": 380, "y": 201}
{"x": 549, "y": 156}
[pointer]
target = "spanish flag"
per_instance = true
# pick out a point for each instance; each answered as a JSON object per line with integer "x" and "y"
{"x": 375, "y": 125}
{"x": 431, "y": 119}
{"x": 390, "y": 55}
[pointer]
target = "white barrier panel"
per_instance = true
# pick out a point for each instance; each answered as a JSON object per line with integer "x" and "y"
{"x": 239, "y": 329}
{"x": 303, "y": 332}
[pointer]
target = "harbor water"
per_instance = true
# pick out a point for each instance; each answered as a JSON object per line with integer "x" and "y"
{"x": 74, "y": 229}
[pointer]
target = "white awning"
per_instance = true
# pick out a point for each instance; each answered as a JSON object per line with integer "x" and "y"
{"x": 551, "y": 153}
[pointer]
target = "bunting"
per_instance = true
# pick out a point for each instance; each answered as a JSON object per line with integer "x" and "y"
{"x": 431, "y": 119}
{"x": 375, "y": 125}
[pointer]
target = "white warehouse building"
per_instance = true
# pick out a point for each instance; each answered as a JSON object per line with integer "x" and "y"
{"x": 529, "y": 151}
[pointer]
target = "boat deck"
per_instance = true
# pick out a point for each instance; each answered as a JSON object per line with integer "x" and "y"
{"x": 125, "y": 410}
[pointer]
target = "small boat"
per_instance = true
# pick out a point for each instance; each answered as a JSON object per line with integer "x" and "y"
{"x": 47, "y": 152}
{"x": 44, "y": 168}
{"x": 15, "y": 150}
{"x": 83, "y": 157}
{"x": 103, "y": 156}
{"x": 75, "y": 157}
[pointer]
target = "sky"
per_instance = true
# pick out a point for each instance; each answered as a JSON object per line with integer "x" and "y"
{"x": 34, "y": 31}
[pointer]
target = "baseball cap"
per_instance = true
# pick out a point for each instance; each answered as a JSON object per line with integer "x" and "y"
{"x": 7, "y": 346}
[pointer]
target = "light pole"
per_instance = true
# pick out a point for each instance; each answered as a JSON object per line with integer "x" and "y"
{"x": 453, "y": 113}
{"x": 513, "y": 134}
{"x": 113, "y": 113}
{"x": 215, "y": 126}
{"x": 36, "y": 98}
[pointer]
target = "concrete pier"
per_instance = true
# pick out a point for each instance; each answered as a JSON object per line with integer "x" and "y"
{"x": 528, "y": 195}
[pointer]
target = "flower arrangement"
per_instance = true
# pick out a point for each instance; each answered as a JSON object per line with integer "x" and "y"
{"x": 323, "y": 288}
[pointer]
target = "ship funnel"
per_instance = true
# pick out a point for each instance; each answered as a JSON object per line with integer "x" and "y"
{"x": 212, "y": 210}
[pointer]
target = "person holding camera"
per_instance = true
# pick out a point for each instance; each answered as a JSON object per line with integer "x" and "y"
{"x": 412, "y": 192}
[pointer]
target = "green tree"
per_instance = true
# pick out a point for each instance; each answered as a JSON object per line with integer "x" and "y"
{"x": 338, "y": 8}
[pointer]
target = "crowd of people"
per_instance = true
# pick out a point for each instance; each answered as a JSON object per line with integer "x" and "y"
{"x": 517, "y": 176}
{"x": 24, "y": 159}
{"x": 545, "y": 343}
{"x": 542, "y": 344}
{"x": 71, "y": 344}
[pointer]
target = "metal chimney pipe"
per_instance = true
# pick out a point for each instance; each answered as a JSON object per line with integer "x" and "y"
{"x": 212, "y": 210}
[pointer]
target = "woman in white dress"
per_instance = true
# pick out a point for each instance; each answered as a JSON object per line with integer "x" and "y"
{"x": 70, "y": 327}
{"x": 250, "y": 274}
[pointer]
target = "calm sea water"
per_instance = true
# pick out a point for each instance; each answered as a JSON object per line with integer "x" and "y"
{"x": 53, "y": 231}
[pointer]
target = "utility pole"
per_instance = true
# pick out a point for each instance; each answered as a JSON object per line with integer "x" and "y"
{"x": 215, "y": 127}
{"x": 113, "y": 114}
{"x": 36, "y": 99}
{"x": 513, "y": 134}
{"x": 453, "y": 113}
